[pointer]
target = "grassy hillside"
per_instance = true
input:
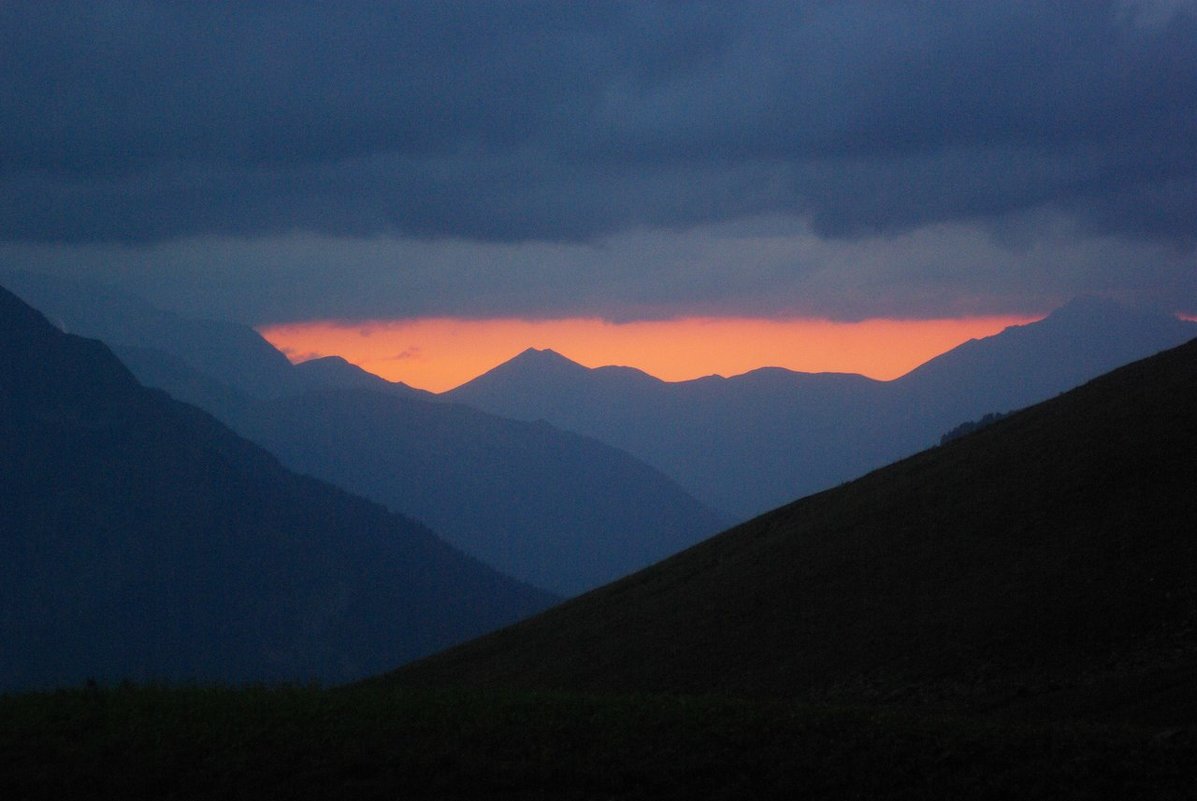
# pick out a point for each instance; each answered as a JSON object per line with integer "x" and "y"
{"x": 1045, "y": 559}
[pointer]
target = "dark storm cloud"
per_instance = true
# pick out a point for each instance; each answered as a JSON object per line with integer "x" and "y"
{"x": 142, "y": 121}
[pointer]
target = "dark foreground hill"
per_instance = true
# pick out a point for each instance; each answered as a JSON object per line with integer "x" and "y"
{"x": 142, "y": 539}
{"x": 1047, "y": 559}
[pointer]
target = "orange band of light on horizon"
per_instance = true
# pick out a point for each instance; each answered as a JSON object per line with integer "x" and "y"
{"x": 438, "y": 354}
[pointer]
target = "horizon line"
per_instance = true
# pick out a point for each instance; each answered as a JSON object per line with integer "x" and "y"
{"x": 439, "y": 354}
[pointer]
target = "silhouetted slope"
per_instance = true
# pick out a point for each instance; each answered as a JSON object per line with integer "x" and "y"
{"x": 1050, "y": 554}
{"x": 144, "y": 540}
{"x": 1024, "y": 364}
{"x": 557, "y": 510}
{"x": 741, "y": 445}
{"x": 236, "y": 354}
{"x": 333, "y": 372}
{"x": 752, "y": 442}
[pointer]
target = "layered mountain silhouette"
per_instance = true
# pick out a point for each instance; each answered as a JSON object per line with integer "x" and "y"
{"x": 334, "y": 372}
{"x": 1043, "y": 562}
{"x": 235, "y": 353}
{"x": 752, "y": 442}
{"x": 144, "y": 540}
{"x": 555, "y": 509}
{"x": 552, "y": 508}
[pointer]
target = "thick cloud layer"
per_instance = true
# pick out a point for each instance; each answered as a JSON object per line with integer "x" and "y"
{"x": 136, "y": 122}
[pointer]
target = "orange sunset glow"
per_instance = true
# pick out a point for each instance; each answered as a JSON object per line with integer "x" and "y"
{"x": 438, "y": 354}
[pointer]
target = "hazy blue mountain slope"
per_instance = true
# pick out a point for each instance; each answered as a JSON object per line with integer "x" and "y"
{"x": 742, "y": 444}
{"x": 557, "y": 509}
{"x": 235, "y": 354}
{"x": 752, "y": 442}
{"x": 141, "y": 539}
{"x": 1028, "y": 363}
{"x": 333, "y": 372}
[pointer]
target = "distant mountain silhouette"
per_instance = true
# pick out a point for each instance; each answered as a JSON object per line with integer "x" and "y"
{"x": 750, "y": 443}
{"x": 559, "y": 510}
{"x": 235, "y": 353}
{"x": 1042, "y": 563}
{"x": 1026, "y": 363}
{"x": 334, "y": 372}
{"x": 144, "y": 540}
{"x": 741, "y": 445}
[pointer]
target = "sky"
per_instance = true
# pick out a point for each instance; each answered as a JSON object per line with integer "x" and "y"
{"x": 851, "y": 164}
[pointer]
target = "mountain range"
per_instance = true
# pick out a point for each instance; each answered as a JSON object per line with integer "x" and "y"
{"x": 567, "y": 477}
{"x": 1042, "y": 565}
{"x": 1008, "y": 615}
{"x": 555, "y": 509}
{"x": 551, "y": 508}
{"x": 752, "y": 442}
{"x": 143, "y": 540}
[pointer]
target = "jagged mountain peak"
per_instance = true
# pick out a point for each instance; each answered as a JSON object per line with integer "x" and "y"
{"x": 530, "y": 365}
{"x": 329, "y": 372}
{"x": 334, "y": 360}
{"x": 542, "y": 357}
